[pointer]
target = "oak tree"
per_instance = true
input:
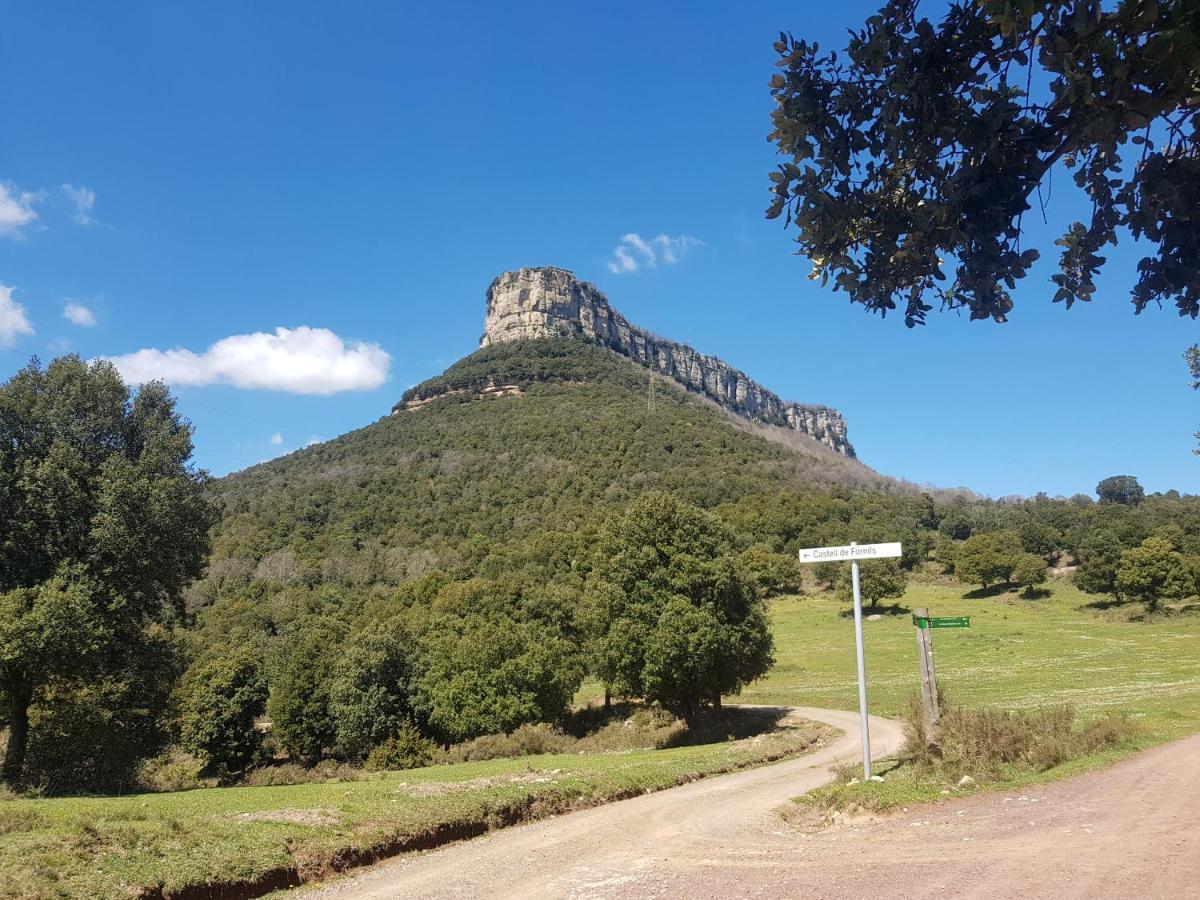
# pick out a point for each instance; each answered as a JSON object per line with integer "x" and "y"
{"x": 103, "y": 522}
{"x": 912, "y": 157}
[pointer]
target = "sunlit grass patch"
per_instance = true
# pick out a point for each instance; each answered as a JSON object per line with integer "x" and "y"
{"x": 116, "y": 847}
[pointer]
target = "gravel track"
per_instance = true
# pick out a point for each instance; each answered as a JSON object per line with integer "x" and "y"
{"x": 607, "y": 851}
{"x": 1126, "y": 831}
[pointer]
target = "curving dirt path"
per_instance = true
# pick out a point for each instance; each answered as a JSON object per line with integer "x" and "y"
{"x": 1130, "y": 830}
{"x": 628, "y": 848}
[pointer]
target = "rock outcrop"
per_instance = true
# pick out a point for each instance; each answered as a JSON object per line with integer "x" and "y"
{"x": 548, "y": 302}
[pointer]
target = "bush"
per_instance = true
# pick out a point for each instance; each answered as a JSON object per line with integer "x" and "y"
{"x": 222, "y": 696}
{"x": 294, "y": 773}
{"x": 528, "y": 740}
{"x": 1030, "y": 571}
{"x": 988, "y": 558}
{"x": 827, "y": 573}
{"x": 880, "y": 579}
{"x": 981, "y": 742}
{"x": 406, "y": 749}
{"x": 369, "y": 696}
{"x": 173, "y": 770}
{"x": 945, "y": 554}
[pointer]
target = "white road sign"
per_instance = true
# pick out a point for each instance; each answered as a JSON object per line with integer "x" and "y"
{"x": 852, "y": 552}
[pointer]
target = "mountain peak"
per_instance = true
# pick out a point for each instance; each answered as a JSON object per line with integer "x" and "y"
{"x": 546, "y": 301}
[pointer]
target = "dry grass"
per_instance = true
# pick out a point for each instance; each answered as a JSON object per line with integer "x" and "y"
{"x": 985, "y": 742}
{"x": 976, "y": 749}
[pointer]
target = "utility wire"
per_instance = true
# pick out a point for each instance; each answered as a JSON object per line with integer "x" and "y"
{"x": 229, "y": 412}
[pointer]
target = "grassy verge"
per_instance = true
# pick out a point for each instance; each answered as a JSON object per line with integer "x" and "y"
{"x": 1019, "y": 655}
{"x": 247, "y": 840}
{"x": 976, "y": 750}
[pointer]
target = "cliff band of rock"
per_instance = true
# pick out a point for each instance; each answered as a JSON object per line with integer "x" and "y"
{"x": 550, "y": 302}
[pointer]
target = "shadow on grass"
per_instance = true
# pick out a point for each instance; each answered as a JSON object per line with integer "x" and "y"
{"x": 895, "y": 609}
{"x": 996, "y": 590}
{"x": 731, "y": 723}
{"x": 1104, "y": 603}
{"x": 1035, "y": 593}
{"x": 662, "y": 729}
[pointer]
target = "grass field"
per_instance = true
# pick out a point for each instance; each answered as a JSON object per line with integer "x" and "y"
{"x": 118, "y": 847}
{"x": 1017, "y": 653}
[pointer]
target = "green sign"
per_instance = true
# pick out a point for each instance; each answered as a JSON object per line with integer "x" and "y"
{"x": 942, "y": 622}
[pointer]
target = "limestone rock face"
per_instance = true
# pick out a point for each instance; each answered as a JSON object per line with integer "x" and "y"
{"x": 551, "y": 302}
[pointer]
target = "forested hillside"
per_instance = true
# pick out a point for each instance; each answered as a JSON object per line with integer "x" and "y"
{"x": 541, "y": 513}
{"x": 464, "y": 483}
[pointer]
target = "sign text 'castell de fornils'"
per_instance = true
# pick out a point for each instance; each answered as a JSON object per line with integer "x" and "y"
{"x": 851, "y": 552}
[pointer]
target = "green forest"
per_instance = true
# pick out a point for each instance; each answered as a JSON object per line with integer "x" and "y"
{"x": 458, "y": 570}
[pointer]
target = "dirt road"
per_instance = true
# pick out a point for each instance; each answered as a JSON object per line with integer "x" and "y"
{"x": 612, "y": 849}
{"x": 1130, "y": 830}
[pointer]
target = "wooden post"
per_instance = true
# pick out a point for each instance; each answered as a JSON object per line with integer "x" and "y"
{"x": 929, "y": 692}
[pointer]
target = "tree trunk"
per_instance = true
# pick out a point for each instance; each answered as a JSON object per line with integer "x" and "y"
{"x": 19, "y": 698}
{"x": 716, "y": 700}
{"x": 607, "y": 698}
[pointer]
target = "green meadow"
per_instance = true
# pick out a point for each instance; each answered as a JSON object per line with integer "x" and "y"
{"x": 151, "y": 844}
{"x": 1017, "y": 653}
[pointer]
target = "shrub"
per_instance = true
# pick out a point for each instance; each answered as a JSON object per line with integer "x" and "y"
{"x": 881, "y": 579}
{"x": 406, "y": 749}
{"x": 294, "y": 773}
{"x": 222, "y": 696}
{"x": 528, "y": 740}
{"x": 369, "y": 695}
{"x": 1030, "y": 571}
{"x": 173, "y": 770}
{"x": 982, "y": 742}
{"x": 988, "y": 558}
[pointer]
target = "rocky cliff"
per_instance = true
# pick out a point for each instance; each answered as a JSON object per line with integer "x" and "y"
{"x": 547, "y": 302}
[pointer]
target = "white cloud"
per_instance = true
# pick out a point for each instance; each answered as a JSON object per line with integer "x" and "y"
{"x": 633, "y": 252}
{"x": 13, "y": 321}
{"x": 16, "y": 209}
{"x": 299, "y": 360}
{"x": 277, "y": 440}
{"x": 84, "y": 200}
{"x": 78, "y": 314}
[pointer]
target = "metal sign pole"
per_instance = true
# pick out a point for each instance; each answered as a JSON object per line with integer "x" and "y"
{"x": 854, "y": 552}
{"x": 862, "y": 672}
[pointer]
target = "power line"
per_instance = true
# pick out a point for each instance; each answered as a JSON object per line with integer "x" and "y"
{"x": 248, "y": 462}
{"x": 230, "y": 412}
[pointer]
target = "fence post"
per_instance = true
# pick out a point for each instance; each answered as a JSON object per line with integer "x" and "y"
{"x": 929, "y": 691}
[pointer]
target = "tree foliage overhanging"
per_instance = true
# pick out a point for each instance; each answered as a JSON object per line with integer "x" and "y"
{"x": 919, "y": 149}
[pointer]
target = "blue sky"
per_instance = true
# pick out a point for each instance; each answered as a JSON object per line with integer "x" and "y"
{"x": 189, "y": 174}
